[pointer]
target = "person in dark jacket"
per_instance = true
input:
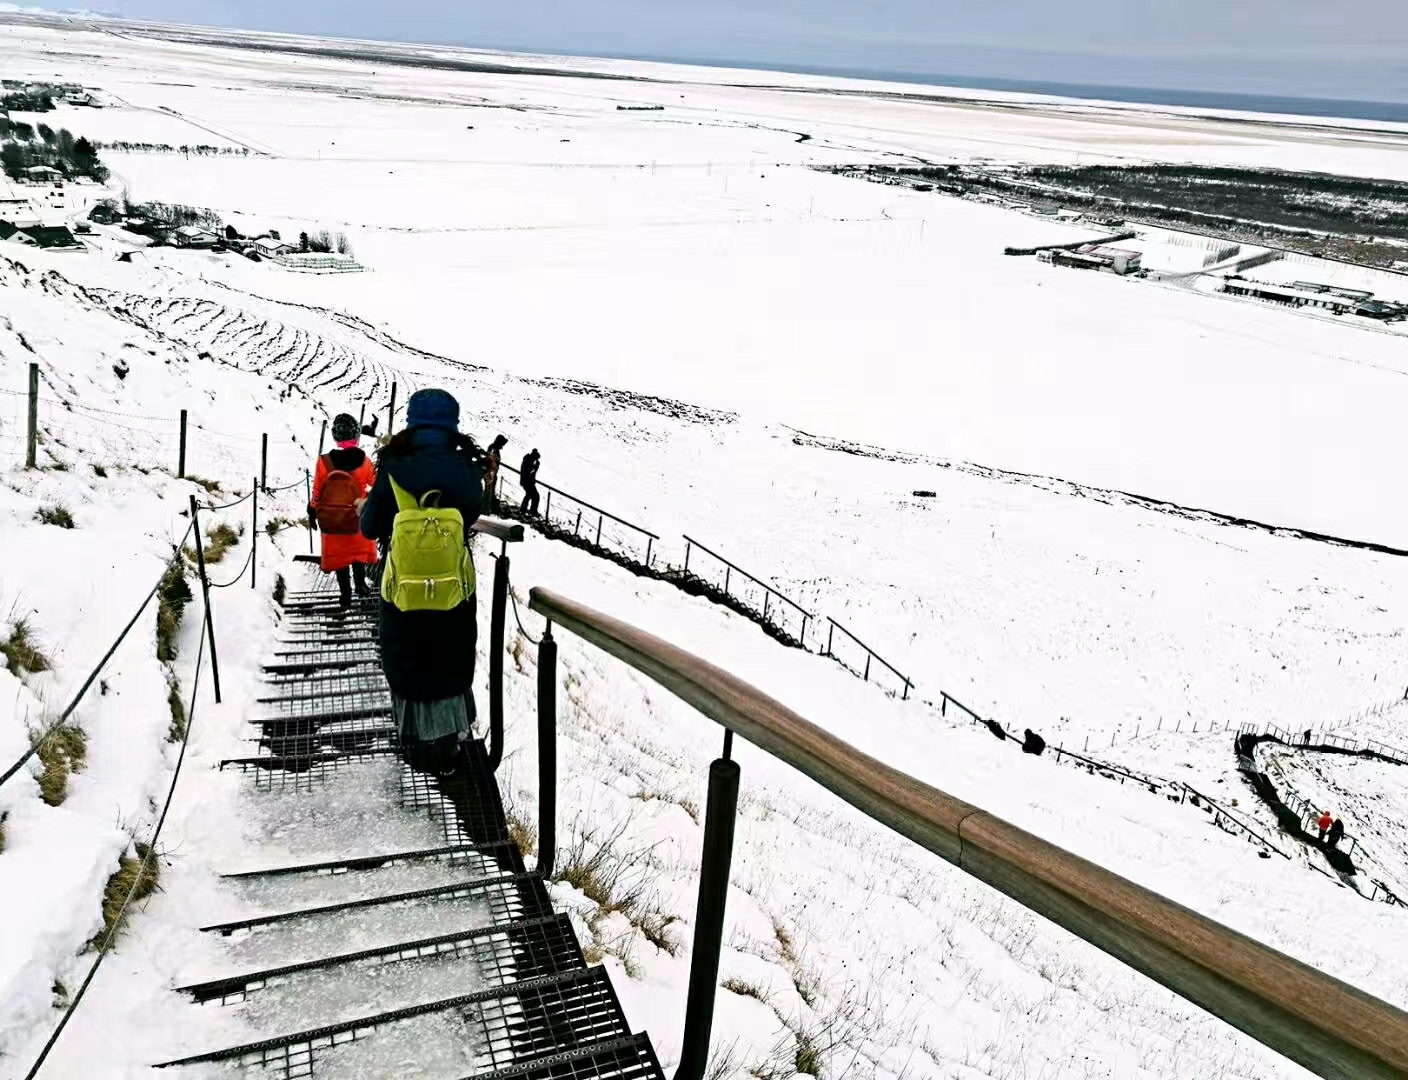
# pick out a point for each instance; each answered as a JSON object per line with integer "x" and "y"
{"x": 428, "y": 656}
{"x": 1033, "y": 743}
{"x": 1336, "y": 832}
{"x": 491, "y": 473}
{"x": 528, "y": 477}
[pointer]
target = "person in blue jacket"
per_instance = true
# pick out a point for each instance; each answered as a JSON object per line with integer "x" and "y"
{"x": 428, "y": 656}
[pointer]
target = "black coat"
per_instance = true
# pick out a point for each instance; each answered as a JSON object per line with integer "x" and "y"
{"x": 427, "y": 655}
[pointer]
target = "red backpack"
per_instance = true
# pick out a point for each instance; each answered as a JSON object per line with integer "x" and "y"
{"x": 337, "y": 503}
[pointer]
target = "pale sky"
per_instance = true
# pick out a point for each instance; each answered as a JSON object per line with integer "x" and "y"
{"x": 1310, "y": 48}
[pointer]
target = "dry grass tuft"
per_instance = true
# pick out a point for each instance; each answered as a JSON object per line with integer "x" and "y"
{"x": 57, "y": 514}
{"x": 62, "y": 753}
{"x": 173, "y": 596}
{"x": 4, "y": 814}
{"x": 136, "y": 878}
{"x": 22, "y": 652}
{"x": 211, "y": 486}
{"x": 745, "y": 989}
{"x": 177, "y": 731}
{"x": 808, "y": 1056}
{"x": 523, "y": 834}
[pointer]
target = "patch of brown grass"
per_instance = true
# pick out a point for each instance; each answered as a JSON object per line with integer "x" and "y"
{"x": 61, "y": 753}
{"x": 136, "y": 879}
{"x": 22, "y": 652}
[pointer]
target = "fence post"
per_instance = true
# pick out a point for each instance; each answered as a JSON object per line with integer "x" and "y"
{"x": 205, "y": 592}
{"x": 599, "y": 519}
{"x": 578, "y": 527}
{"x": 719, "y": 819}
{"x": 547, "y": 511}
{"x": 391, "y": 413}
{"x": 308, "y": 497}
{"x": 689, "y": 547}
{"x": 866, "y": 676}
{"x": 254, "y": 539}
{"x": 830, "y": 634}
{"x": 264, "y": 462}
{"x": 943, "y": 708}
{"x": 767, "y": 596}
{"x": 728, "y": 572}
{"x": 496, "y": 661}
{"x": 803, "y": 638}
{"x": 31, "y": 444}
{"x": 547, "y": 753}
{"x": 181, "y": 458}
{"x": 648, "y": 541}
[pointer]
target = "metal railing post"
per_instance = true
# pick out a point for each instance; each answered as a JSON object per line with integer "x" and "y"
{"x": 496, "y": 661}
{"x": 308, "y": 498}
{"x": 599, "y": 519}
{"x": 205, "y": 592}
{"x": 31, "y": 442}
{"x": 391, "y": 412}
{"x": 181, "y": 454}
{"x": 322, "y": 436}
{"x": 719, "y": 819}
{"x": 649, "y": 540}
{"x": 264, "y": 462}
{"x": 576, "y": 529}
{"x": 547, "y": 753}
{"x": 830, "y": 635}
{"x": 728, "y": 571}
{"x": 688, "y": 547}
{"x": 547, "y": 507}
{"x": 254, "y": 537}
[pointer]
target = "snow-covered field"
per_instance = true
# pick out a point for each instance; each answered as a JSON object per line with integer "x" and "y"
{"x": 717, "y": 302}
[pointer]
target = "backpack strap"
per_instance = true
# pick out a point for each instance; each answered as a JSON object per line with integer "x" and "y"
{"x": 404, "y": 499}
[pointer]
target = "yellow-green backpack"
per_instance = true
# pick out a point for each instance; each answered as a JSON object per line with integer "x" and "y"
{"x": 428, "y": 567}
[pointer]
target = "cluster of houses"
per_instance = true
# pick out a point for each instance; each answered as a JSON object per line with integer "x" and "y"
{"x": 1310, "y": 294}
{"x": 21, "y": 224}
{"x": 72, "y": 93}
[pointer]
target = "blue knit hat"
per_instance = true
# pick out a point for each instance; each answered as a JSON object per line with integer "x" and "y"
{"x": 433, "y": 408}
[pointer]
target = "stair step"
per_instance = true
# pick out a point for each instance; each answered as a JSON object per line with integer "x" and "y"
{"x": 363, "y": 862}
{"x": 533, "y": 901}
{"x": 520, "y": 1023}
{"x": 527, "y": 949}
{"x": 300, "y": 764}
{"x": 628, "y": 1058}
{"x": 311, "y": 722}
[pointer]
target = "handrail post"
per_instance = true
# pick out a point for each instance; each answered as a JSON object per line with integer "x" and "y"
{"x": 599, "y": 519}
{"x": 496, "y": 661}
{"x": 254, "y": 537}
{"x": 205, "y": 592}
{"x": 547, "y": 753}
{"x": 689, "y": 546}
{"x": 576, "y": 529}
{"x": 308, "y": 498}
{"x": 264, "y": 462}
{"x": 719, "y": 818}
{"x": 181, "y": 453}
{"x": 31, "y": 443}
{"x": 830, "y": 635}
{"x": 649, "y": 540}
{"x": 728, "y": 570}
{"x": 322, "y": 436}
{"x": 391, "y": 412}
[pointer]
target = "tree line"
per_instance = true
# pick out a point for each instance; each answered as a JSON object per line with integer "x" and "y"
{"x": 26, "y": 146}
{"x": 201, "y": 150}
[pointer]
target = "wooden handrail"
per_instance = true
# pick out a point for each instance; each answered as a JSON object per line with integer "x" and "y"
{"x": 1326, "y": 1025}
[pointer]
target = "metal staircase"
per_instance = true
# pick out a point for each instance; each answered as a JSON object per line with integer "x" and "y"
{"x": 445, "y": 961}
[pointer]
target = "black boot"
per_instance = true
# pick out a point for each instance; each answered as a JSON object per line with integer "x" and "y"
{"x": 344, "y": 588}
{"x": 359, "y": 576}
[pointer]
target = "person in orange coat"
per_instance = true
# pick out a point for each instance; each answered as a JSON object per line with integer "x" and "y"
{"x": 341, "y": 481}
{"x": 1324, "y": 822}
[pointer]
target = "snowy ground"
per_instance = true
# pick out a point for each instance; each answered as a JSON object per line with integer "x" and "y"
{"x": 693, "y": 256}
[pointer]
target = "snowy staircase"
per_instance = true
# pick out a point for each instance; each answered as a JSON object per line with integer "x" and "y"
{"x": 441, "y": 960}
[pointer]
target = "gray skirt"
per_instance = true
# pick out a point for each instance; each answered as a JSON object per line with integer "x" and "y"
{"x": 430, "y": 721}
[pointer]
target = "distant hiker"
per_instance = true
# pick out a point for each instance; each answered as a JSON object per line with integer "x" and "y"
{"x": 1323, "y": 823}
{"x": 427, "y": 495}
{"x": 491, "y": 473}
{"x": 1336, "y": 832}
{"x": 1033, "y": 743}
{"x": 1305, "y": 739}
{"x": 528, "y": 477}
{"x": 341, "y": 480}
{"x": 995, "y": 728}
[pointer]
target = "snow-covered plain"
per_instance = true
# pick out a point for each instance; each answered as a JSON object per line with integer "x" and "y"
{"x": 525, "y": 225}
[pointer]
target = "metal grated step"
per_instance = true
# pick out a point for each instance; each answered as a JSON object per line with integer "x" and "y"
{"x": 629, "y": 1058}
{"x": 528, "y": 949}
{"x": 516, "y": 1024}
{"x": 511, "y": 898}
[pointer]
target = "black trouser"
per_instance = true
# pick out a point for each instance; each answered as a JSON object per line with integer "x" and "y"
{"x": 344, "y": 582}
{"x": 530, "y": 497}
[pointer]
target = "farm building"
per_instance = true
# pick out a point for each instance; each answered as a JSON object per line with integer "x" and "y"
{"x": 1322, "y": 297}
{"x": 43, "y": 237}
{"x": 42, "y": 174}
{"x": 1095, "y": 257}
{"x": 193, "y": 236}
{"x": 269, "y": 248}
